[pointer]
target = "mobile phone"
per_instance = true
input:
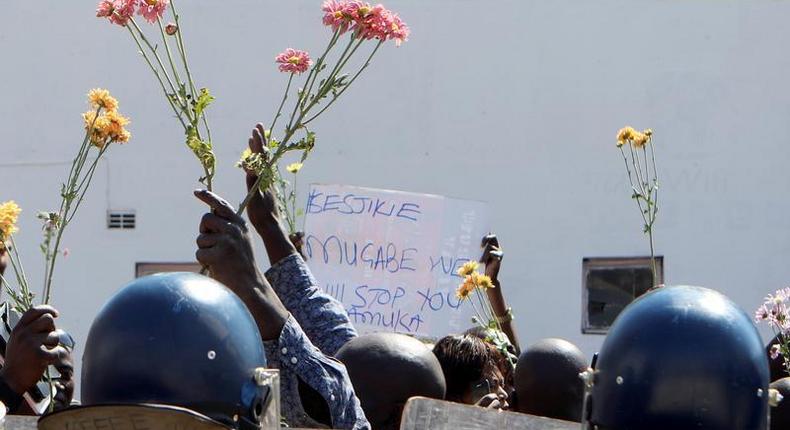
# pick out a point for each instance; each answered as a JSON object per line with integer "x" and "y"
{"x": 480, "y": 390}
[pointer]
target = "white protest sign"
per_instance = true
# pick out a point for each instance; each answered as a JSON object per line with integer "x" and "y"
{"x": 391, "y": 257}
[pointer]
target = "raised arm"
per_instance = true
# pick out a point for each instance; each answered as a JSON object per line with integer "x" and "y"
{"x": 324, "y": 319}
{"x": 314, "y": 387}
{"x": 492, "y": 259}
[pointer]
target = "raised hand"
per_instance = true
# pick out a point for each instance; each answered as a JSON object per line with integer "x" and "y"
{"x": 492, "y": 256}
{"x": 262, "y": 209}
{"x": 224, "y": 245}
{"x": 263, "y": 212}
{"x": 33, "y": 345}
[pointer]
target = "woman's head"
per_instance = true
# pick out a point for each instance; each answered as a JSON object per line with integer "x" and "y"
{"x": 470, "y": 369}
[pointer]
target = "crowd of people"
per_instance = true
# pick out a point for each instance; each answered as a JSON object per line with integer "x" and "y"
{"x": 330, "y": 376}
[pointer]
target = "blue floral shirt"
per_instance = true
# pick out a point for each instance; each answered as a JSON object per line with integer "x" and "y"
{"x": 319, "y": 318}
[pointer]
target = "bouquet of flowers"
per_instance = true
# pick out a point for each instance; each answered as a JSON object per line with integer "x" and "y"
{"x": 644, "y": 181}
{"x": 774, "y": 312}
{"x": 474, "y": 288}
{"x": 104, "y": 126}
{"x": 362, "y": 25}
{"x": 188, "y": 103}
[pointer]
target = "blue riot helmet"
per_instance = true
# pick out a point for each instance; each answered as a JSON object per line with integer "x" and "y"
{"x": 178, "y": 342}
{"x": 680, "y": 358}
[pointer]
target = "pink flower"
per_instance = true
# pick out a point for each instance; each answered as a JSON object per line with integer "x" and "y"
{"x": 356, "y": 10}
{"x": 294, "y": 61}
{"x": 152, "y": 10}
{"x": 775, "y": 351}
{"x": 334, "y": 15}
{"x": 123, "y": 10}
{"x": 762, "y": 313}
{"x": 374, "y": 24}
{"x": 399, "y": 31}
{"x": 104, "y": 9}
{"x": 66, "y": 252}
{"x": 370, "y": 22}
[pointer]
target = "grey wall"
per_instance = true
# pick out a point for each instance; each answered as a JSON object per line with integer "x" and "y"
{"x": 512, "y": 102}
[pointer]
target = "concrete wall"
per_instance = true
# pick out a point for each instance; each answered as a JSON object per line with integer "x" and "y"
{"x": 511, "y": 102}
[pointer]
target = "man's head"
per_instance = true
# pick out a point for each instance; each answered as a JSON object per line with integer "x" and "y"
{"x": 387, "y": 369}
{"x": 470, "y": 368}
{"x": 548, "y": 382}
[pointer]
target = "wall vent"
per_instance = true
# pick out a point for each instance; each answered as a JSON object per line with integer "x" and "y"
{"x": 121, "y": 219}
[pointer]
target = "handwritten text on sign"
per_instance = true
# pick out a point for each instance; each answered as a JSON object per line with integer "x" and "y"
{"x": 391, "y": 257}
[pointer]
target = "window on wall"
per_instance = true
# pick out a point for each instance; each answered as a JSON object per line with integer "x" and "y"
{"x": 145, "y": 269}
{"x": 610, "y": 284}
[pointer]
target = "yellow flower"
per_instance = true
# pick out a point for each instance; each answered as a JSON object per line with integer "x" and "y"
{"x": 294, "y": 167}
{"x": 629, "y": 135}
{"x": 465, "y": 289}
{"x": 468, "y": 268}
{"x": 9, "y": 213}
{"x": 124, "y": 136}
{"x": 100, "y": 97}
{"x": 115, "y": 127}
{"x": 96, "y": 127}
{"x": 252, "y": 162}
{"x": 484, "y": 282}
{"x": 639, "y": 139}
{"x": 624, "y": 135}
{"x": 108, "y": 126}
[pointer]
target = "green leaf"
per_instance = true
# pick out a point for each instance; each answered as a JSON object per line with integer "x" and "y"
{"x": 203, "y": 100}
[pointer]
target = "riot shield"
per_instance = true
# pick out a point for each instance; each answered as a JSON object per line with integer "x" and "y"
{"x": 421, "y": 413}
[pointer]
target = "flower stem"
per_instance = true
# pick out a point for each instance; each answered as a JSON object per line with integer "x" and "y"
{"x": 68, "y": 214}
{"x": 336, "y": 96}
{"x": 181, "y": 50}
{"x": 317, "y": 68}
{"x": 178, "y": 111}
{"x": 183, "y": 53}
{"x": 293, "y": 206}
{"x": 295, "y": 124}
{"x": 170, "y": 56}
{"x": 24, "y": 285}
{"x": 636, "y": 191}
{"x": 282, "y": 103}
{"x": 156, "y": 55}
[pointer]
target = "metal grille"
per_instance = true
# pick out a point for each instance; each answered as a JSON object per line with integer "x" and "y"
{"x": 121, "y": 219}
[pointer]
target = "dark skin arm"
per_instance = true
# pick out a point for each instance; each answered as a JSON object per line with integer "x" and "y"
{"x": 32, "y": 347}
{"x": 492, "y": 260}
{"x": 224, "y": 247}
{"x": 264, "y": 215}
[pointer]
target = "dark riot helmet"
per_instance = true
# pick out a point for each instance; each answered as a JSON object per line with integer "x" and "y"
{"x": 176, "y": 341}
{"x": 680, "y": 358}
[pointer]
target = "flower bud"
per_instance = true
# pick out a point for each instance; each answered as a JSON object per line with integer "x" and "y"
{"x": 171, "y": 28}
